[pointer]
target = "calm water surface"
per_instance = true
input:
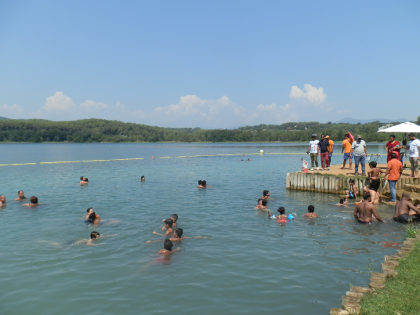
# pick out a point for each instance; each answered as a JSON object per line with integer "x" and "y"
{"x": 248, "y": 264}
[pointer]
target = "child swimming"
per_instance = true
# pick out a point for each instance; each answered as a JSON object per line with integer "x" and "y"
{"x": 174, "y": 218}
{"x": 84, "y": 180}
{"x": 167, "y": 248}
{"x": 343, "y": 202}
{"x": 262, "y": 205}
{"x": 33, "y": 202}
{"x": 265, "y": 195}
{"x": 167, "y": 227}
{"x": 21, "y": 196}
{"x": 311, "y": 213}
{"x": 353, "y": 190}
{"x": 92, "y": 217}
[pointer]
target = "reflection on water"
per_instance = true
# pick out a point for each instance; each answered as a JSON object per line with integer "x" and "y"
{"x": 248, "y": 263}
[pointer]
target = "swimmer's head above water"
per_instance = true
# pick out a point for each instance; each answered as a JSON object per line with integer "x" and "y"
{"x": 34, "y": 200}
{"x": 264, "y": 202}
{"x": 178, "y": 232}
{"x": 372, "y": 164}
{"x": 266, "y": 193}
{"x": 281, "y": 210}
{"x": 168, "y": 223}
{"x": 167, "y": 244}
{"x": 94, "y": 235}
{"x": 142, "y": 178}
{"x": 311, "y": 208}
{"x": 174, "y": 217}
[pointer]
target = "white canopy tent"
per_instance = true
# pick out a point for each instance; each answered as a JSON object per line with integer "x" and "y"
{"x": 407, "y": 127}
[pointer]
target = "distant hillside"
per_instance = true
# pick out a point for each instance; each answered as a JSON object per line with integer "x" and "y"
{"x": 349, "y": 120}
{"x": 3, "y": 118}
{"x": 99, "y": 130}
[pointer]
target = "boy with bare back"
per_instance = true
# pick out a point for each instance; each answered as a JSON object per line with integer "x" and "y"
{"x": 405, "y": 211}
{"x": 365, "y": 210}
{"x": 375, "y": 182}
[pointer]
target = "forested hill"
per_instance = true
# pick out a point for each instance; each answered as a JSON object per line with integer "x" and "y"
{"x": 98, "y": 130}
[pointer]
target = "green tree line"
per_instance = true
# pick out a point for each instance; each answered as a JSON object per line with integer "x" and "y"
{"x": 99, "y": 130}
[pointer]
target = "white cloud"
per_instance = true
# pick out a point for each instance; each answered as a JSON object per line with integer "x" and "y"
{"x": 12, "y": 111}
{"x": 189, "y": 111}
{"x": 309, "y": 93}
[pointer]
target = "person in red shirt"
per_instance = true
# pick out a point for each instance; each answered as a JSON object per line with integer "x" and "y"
{"x": 393, "y": 146}
{"x": 393, "y": 172}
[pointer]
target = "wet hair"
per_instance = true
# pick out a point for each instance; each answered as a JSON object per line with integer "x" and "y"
{"x": 34, "y": 200}
{"x": 88, "y": 209}
{"x": 281, "y": 210}
{"x": 393, "y": 155}
{"x": 167, "y": 244}
{"x": 264, "y": 202}
{"x": 91, "y": 217}
{"x": 81, "y": 178}
{"x": 174, "y": 217}
{"x": 85, "y": 179}
{"x": 203, "y": 182}
{"x": 259, "y": 199}
{"x": 169, "y": 222}
{"x": 366, "y": 196}
{"x": 265, "y": 192}
{"x": 179, "y": 232}
{"x": 311, "y": 208}
{"x": 342, "y": 201}
{"x": 200, "y": 182}
{"x": 351, "y": 181}
{"x": 94, "y": 235}
{"x": 20, "y": 191}
{"x": 142, "y": 176}
{"x": 373, "y": 163}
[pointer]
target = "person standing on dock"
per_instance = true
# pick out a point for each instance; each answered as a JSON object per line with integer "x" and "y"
{"x": 393, "y": 172}
{"x": 330, "y": 149}
{"x": 359, "y": 151}
{"x": 414, "y": 154}
{"x": 313, "y": 151}
{"x": 323, "y": 148}
{"x": 346, "y": 150}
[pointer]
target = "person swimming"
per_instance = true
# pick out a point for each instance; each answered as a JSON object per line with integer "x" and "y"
{"x": 265, "y": 195}
{"x": 89, "y": 242}
{"x": 92, "y": 217}
{"x": 84, "y": 180}
{"x": 202, "y": 184}
{"x": 311, "y": 213}
{"x": 2, "y": 201}
{"x": 142, "y": 179}
{"x": 33, "y": 202}
{"x": 353, "y": 190}
{"x": 281, "y": 211}
{"x": 343, "y": 202}
{"x": 262, "y": 205}
{"x": 365, "y": 210}
{"x": 21, "y": 196}
{"x": 168, "y": 227}
{"x": 174, "y": 218}
{"x": 167, "y": 248}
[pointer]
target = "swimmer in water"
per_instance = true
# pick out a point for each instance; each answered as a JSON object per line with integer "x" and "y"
{"x": 168, "y": 228}
{"x": 405, "y": 210}
{"x": 21, "y": 196}
{"x": 353, "y": 190}
{"x": 90, "y": 242}
{"x": 202, "y": 184}
{"x": 262, "y": 205}
{"x": 311, "y": 213}
{"x": 178, "y": 236}
{"x": 174, "y": 218}
{"x": 84, "y": 180}
{"x": 2, "y": 201}
{"x": 142, "y": 179}
{"x": 167, "y": 248}
{"x": 343, "y": 202}
{"x": 365, "y": 210}
{"x": 33, "y": 202}
{"x": 92, "y": 217}
{"x": 265, "y": 195}
{"x": 282, "y": 214}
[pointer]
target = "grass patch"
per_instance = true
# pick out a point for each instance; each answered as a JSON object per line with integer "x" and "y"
{"x": 401, "y": 294}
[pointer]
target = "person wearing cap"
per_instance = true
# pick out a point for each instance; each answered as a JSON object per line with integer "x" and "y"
{"x": 393, "y": 146}
{"x": 313, "y": 150}
{"x": 358, "y": 148}
{"x": 323, "y": 148}
{"x": 414, "y": 153}
{"x": 330, "y": 149}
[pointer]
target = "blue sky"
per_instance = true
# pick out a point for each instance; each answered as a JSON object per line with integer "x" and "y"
{"x": 210, "y": 64}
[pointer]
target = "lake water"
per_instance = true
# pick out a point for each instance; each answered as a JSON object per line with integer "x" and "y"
{"x": 249, "y": 264}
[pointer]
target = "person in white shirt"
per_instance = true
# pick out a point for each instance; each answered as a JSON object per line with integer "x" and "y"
{"x": 313, "y": 150}
{"x": 413, "y": 153}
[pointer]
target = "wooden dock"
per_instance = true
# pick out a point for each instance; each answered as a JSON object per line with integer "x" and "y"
{"x": 336, "y": 180}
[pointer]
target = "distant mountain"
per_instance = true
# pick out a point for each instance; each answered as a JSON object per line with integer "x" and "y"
{"x": 3, "y": 118}
{"x": 349, "y": 120}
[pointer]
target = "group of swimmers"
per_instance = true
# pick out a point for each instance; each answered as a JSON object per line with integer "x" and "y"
{"x": 33, "y": 201}
{"x": 282, "y": 217}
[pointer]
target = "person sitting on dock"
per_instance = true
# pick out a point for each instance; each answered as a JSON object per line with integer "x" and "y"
{"x": 262, "y": 205}
{"x": 346, "y": 150}
{"x": 33, "y": 202}
{"x": 375, "y": 182}
{"x": 405, "y": 211}
{"x": 313, "y": 151}
{"x": 311, "y": 213}
{"x": 365, "y": 210}
{"x": 21, "y": 196}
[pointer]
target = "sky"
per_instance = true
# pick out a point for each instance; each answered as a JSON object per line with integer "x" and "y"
{"x": 210, "y": 64}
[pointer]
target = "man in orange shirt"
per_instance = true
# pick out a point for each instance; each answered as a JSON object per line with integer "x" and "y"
{"x": 393, "y": 172}
{"x": 346, "y": 149}
{"x": 330, "y": 149}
